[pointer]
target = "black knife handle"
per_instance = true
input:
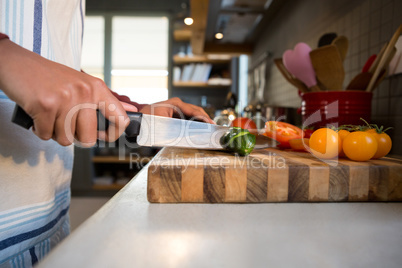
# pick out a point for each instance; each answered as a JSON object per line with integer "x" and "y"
{"x": 132, "y": 130}
{"x": 21, "y": 118}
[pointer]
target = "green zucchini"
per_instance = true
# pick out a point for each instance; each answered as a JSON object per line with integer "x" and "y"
{"x": 239, "y": 141}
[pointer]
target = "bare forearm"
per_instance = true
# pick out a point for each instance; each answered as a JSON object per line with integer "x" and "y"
{"x": 49, "y": 92}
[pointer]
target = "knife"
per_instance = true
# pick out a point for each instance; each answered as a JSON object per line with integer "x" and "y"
{"x": 158, "y": 131}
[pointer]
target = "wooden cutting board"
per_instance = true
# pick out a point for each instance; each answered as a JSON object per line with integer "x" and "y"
{"x": 269, "y": 175}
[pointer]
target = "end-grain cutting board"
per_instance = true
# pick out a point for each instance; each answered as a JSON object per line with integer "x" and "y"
{"x": 269, "y": 175}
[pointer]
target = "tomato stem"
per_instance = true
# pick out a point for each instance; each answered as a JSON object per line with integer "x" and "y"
{"x": 366, "y": 127}
{"x": 379, "y": 130}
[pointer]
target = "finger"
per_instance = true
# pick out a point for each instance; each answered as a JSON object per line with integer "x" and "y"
{"x": 62, "y": 134}
{"x": 117, "y": 117}
{"x": 128, "y": 107}
{"x": 200, "y": 112}
{"x": 192, "y": 110}
{"x": 86, "y": 127}
{"x": 115, "y": 129}
{"x": 66, "y": 127}
{"x": 70, "y": 127}
{"x": 44, "y": 125}
{"x": 195, "y": 111}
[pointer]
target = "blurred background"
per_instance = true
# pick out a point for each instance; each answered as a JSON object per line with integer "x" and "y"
{"x": 220, "y": 55}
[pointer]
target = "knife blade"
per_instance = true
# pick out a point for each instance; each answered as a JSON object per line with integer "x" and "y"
{"x": 158, "y": 131}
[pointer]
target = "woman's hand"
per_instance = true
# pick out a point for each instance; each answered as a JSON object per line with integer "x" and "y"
{"x": 175, "y": 107}
{"x": 61, "y": 101}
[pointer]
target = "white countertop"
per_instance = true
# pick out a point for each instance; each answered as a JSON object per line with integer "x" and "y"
{"x": 131, "y": 232}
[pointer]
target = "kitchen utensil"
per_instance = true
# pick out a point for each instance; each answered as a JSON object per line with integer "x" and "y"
{"x": 269, "y": 175}
{"x": 256, "y": 82}
{"x": 386, "y": 58}
{"x": 368, "y": 63}
{"x": 260, "y": 90}
{"x": 328, "y": 66}
{"x": 342, "y": 43}
{"x": 383, "y": 73}
{"x": 158, "y": 131}
{"x": 289, "y": 77}
{"x": 326, "y": 39}
{"x": 380, "y": 77}
{"x": 395, "y": 66}
{"x": 250, "y": 87}
{"x": 377, "y": 59}
{"x": 360, "y": 81}
{"x": 298, "y": 63}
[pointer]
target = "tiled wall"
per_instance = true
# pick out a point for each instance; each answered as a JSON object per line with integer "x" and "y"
{"x": 368, "y": 24}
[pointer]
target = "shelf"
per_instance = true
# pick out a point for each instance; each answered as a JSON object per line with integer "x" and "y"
{"x": 182, "y": 35}
{"x": 115, "y": 159}
{"x": 197, "y": 84}
{"x": 201, "y": 59}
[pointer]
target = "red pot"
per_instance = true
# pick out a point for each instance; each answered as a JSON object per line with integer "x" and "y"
{"x": 335, "y": 108}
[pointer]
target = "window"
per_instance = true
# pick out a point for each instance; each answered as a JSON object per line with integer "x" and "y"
{"x": 135, "y": 61}
{"x": 93, "y": 49}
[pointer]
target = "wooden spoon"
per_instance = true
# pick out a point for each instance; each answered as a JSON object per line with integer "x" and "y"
{"x": 394, "y": 66}
{"x": 328, "y": 66}
{"x": 342, "y": 43}
{"x": 362, "y": 80}
{"x": 377, "y": 59}
{"x": 384, "y": 59}
{"x": 289, "y": 77}
{"x": 381, "y": 77}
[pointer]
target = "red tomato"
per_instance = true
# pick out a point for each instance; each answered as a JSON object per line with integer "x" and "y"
{"x": 245, "y": 123}
{"x": 282, "y": 132}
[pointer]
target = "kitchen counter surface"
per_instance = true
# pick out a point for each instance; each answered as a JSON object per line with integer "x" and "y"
{"x": 131, "y": 232}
